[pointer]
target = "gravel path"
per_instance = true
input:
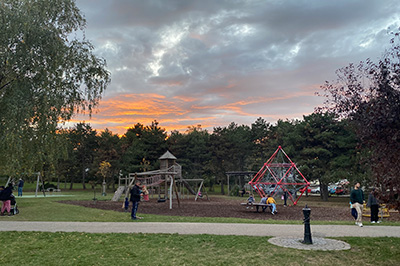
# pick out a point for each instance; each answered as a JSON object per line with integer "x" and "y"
{"x": 204, "y": 228}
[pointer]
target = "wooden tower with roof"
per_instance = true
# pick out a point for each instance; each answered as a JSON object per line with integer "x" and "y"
{"x": 163, "y": 180}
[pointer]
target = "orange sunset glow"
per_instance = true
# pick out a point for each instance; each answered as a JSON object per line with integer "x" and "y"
{"x": 186, "y": 64}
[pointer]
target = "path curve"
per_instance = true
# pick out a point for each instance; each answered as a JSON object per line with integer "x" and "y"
{"x": 282, "y": 230}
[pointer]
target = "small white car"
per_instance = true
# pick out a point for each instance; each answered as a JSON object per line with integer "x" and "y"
{"x": 316, "y": 190}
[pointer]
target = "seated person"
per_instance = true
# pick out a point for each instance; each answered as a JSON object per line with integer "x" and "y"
{"x": 264, "y": 201}
{"x": 271, "y": 200}
{"x": 250, "y": 201}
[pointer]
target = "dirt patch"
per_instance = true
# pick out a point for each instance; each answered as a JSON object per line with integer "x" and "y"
{"x": 220, "y": 207}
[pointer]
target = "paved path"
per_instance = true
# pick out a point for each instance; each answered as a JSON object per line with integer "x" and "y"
{"x": 204, "y": 228}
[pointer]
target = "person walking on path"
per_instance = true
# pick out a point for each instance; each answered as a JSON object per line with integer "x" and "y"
{"x": 20, "y": 187}
{"x": 357, "y": 200}
{"x": 136, "y": 193}
{"x": 373, "y": 204}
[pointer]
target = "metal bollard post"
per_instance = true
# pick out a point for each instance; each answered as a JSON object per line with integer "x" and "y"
{"x": 307, "y": 228}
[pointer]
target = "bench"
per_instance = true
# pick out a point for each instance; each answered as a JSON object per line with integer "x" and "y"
{"x": 257, "y": 205}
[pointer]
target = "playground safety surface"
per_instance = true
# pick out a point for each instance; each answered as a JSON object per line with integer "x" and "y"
{"x": 220, "y": 207}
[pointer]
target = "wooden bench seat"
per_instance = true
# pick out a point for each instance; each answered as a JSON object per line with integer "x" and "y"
{"x": 256, "y": 204}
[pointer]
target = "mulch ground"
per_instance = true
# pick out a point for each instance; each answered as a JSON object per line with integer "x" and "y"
{"x": 220, "y": 207}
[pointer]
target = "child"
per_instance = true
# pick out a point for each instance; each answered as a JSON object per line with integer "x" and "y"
{"x": 264, "y": 201}
{"x": 353, "y": 211}
{"x": 145, "y": 194}
{"x": 271, "y": 200}
{"x": 250, "y": 201}
{"x": 126, "y": 205}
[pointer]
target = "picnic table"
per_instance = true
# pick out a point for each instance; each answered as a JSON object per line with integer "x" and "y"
{"x": 257, "y": 205}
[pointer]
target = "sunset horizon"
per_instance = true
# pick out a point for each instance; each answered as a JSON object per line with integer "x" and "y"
{"x": 185, "y": 64}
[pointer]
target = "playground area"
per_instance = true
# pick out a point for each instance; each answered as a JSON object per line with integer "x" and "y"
{"x": 278, "y": 176}
{"x": 219, "y": 206}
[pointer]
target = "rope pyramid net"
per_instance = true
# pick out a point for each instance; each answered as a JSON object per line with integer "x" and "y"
{"x": 279, "y": 175}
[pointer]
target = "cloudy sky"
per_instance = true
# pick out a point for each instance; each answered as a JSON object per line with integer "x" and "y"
{"x": 213, "y": 62}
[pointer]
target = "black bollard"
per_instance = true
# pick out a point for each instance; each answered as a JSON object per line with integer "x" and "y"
{"x": 307, "y": 228}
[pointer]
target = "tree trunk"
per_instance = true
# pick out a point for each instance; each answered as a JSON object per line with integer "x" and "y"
{"x": 72, "y": 183}
{"x": 222, "y": 187}
{"x": 211, "y": 188}
{"x": 83, "y": 178}
{"x": 324, "y": 191}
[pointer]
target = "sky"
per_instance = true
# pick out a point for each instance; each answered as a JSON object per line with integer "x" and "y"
{"x": 212, "y": 62}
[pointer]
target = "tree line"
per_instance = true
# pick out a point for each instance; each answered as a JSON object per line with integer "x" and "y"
{"x": 324, "y": 149}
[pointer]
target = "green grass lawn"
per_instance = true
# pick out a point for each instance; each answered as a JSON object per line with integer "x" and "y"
{"x": 36, "y": 248}
{"x": 42, "y": 248}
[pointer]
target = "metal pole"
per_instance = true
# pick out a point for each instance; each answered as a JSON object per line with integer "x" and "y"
{"x": 307, "y": 228}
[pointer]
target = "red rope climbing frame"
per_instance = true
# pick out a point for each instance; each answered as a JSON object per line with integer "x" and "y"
{"x": 280, "y": 174}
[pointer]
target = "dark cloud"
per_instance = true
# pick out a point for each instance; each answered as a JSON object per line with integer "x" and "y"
{"x": 234, "y": 60}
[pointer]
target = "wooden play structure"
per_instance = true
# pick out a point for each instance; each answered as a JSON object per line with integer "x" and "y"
{"x": 278, "y": 175}
{"x": 167, "y": 182}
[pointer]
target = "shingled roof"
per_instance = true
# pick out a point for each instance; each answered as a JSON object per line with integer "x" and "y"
{"x": 168, "y": 156}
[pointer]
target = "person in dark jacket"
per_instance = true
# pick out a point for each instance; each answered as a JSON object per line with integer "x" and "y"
{"x": 373, "y": 204}
{"x": 136, "y": 193}
{"x": 20, "y": 187}
{"x": 5, "y": 197}
{"x": 357, "y": 200}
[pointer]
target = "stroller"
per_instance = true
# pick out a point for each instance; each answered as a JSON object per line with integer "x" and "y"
{"x": 14, "y": 209}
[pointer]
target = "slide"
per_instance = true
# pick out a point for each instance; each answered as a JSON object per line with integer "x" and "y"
{"x": 118, "y": 193}
{"x": 189, "y": 188}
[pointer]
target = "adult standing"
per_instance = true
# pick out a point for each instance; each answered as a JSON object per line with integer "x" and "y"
{"x": 373, "y": 204}
{"x": 6, "y": 198}
{"x": 20, "y": 187}
{"x": 285, "y": 196}
{"x": 136, "y": 193}
{"x": 357, "y": 200}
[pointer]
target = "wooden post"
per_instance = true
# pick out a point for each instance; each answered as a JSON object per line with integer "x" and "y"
{"x": 8, "y": 181}
{"x": 165, "y": 186}
{"x": 170, "y": 192}
{"x": 228, "y": 187}
{"x": 37, "y": 184}
{"x": 198, "y": 191}
{"x": 176, "y": 193}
